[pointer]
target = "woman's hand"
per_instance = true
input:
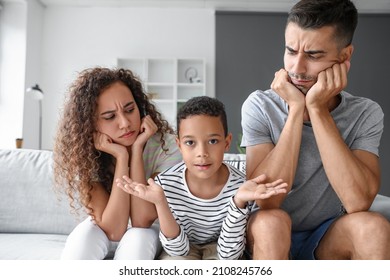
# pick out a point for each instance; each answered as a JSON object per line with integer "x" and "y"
{"x": 105, "y": 144}
{"x": 147, "y": 129}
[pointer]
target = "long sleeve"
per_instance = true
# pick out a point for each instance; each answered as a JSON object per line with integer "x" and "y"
{"x": 232, "y": 239}
{"x": 179, "y": 246}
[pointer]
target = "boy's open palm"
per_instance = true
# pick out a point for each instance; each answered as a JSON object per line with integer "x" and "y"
{"x": 255, "y": 189}
{"x": 151, "y": 192}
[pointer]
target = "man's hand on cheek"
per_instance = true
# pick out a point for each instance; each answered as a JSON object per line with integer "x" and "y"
{"x": 330, "y": 82}
{"x": 283, "y": 86}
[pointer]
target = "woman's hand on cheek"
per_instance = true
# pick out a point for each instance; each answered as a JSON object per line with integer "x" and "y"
{"x": 105, "y": 144}
{"x": 147, "y": 129}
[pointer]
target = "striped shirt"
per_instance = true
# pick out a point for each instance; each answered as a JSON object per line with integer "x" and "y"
{"x": 202, "y": 221}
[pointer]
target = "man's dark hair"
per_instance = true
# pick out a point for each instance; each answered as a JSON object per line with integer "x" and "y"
{"x": 314, "y": 14}
{"x": 202, "y": 105}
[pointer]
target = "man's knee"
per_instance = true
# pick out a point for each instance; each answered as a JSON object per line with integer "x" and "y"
{"x": 361, "y": 235}
{"x": 367, "y": 223}
{"x": 274, "y": 219}
{"x": 269, "y": 234}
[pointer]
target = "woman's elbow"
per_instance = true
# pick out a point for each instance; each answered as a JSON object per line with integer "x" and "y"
{"x": 142, "y": 222}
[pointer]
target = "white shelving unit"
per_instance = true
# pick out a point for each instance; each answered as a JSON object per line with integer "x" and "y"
{"x": 169, "y": 82}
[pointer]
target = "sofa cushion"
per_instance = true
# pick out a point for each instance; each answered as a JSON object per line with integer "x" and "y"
{"x": 29, "y": 203}
{"x": 31, "y": 246}
{"x": 236, "y": 160}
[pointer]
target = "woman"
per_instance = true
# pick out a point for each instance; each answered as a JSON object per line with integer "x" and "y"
{"x": 110, "y": 129}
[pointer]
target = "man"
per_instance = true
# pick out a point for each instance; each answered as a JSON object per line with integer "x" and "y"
{"x": 319, "y": 139}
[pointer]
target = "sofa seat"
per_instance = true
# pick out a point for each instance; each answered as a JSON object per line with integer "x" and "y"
{"x": 31, "y": 246}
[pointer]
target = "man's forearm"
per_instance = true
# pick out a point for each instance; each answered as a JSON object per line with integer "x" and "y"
{"x": 351, "y": 178}
{"x": 281, "y": 161}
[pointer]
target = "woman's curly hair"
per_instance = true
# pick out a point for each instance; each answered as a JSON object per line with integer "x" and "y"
{"x": 77, "y": 163}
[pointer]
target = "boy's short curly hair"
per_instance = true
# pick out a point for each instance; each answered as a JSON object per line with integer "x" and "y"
{"x": 202, "y": 105}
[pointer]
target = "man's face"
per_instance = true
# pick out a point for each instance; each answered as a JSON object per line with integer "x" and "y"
{"x": 308, "y": 52}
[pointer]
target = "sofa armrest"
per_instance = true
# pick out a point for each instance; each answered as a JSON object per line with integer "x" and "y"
{"x": 236, "y": 160}
{"x": 381, "y": 204}
{"x": 29, "y": 203}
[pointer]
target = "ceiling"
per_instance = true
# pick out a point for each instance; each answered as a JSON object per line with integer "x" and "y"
{"x": 277, "y": 5}
{"x": 374, "y": 6}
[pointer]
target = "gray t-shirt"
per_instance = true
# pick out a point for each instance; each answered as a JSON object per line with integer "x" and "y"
{"x": 312, "y": 199}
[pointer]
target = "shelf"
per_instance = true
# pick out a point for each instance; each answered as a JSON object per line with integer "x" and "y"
{"x": 161, "y": 71}
{"x": 137, "y": 66}
{"x": 169, "y": 82}
{"x": 160, "y": 91}
{"x": 190, "y": 71}
{"x": 157, "y": 100}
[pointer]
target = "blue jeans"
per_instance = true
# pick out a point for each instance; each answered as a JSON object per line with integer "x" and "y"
{"x": 304, "y": 243}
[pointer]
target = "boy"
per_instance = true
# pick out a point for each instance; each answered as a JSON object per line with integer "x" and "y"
{"x": 204, "y": 211}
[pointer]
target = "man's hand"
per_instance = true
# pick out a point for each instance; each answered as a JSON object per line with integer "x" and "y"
{"x": 330, "y": 82}
{"x": 254, "y": 189}
{"x": 286, "y": 90}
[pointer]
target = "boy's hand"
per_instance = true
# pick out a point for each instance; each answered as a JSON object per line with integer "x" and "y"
{"x": 151, "y": 192}
{"x": 254, "y": 189}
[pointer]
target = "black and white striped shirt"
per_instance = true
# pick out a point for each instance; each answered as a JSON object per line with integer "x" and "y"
{"x": 203, "y": 221}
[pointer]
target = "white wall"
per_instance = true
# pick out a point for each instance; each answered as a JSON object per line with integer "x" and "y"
{"x": 12, "y": 69}
{"x": 49, "y": 45}
{"x": 78, "y": 37}
{"x": 35, "y": 12}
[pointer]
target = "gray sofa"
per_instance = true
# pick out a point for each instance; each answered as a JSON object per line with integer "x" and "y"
{"x": 35, "y": 221}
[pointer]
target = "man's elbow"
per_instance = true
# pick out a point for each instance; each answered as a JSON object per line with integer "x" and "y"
{"x": 270, "y": 203}
{"x": 359, "y": 205}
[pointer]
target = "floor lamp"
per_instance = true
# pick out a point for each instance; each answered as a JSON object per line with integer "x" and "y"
{"x": 36, "y": 93}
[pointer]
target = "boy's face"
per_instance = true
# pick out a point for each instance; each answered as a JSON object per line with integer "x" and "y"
{"x": 202, "y": 143}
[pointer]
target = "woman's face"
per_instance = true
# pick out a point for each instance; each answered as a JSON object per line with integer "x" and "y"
{"x": 118, "y": 115}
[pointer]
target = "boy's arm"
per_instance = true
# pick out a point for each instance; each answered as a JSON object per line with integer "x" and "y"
{"x": 173, "y": 239}
{"x": 154, "y": 194}
{"x": 231, "y": 242}
{"x": 168, "y": 225}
